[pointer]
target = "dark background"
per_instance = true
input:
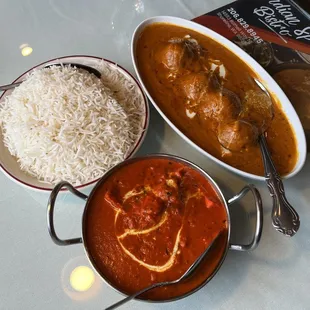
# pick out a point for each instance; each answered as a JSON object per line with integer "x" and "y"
{"x": 305, "y": 4}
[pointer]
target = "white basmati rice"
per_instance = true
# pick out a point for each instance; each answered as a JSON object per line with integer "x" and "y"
{"x": 64, "y": 123}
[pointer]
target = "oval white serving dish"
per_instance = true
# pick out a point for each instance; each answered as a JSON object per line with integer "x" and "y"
{"x": 9, "y": 164}
{"x": 262, "y": 74}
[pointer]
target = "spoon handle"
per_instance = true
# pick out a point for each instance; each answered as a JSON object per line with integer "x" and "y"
{"x": 9, "y": 86}
{"x": 284, "y": 218}
{"x": 130, "y": 297}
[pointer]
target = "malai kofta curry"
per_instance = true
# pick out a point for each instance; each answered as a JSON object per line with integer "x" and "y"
{"x": 149, "y": 221}
{"x": 211, "y": 96}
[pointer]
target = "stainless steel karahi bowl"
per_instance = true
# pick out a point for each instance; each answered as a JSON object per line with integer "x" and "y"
{"x": 225, "y": 202}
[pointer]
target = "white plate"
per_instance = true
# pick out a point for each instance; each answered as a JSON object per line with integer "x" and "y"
{"x": 8, "y": 163}
{"x": 264, "y": 77}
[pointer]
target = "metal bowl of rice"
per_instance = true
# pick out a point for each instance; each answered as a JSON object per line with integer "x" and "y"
{"x": 65, "y": 124}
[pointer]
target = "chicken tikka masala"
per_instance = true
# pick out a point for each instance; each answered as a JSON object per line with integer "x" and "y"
{"x": 149, "y": 221}
{"x": 211, "y": 96}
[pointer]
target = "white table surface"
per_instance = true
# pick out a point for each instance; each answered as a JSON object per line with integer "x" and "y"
{"x": 34, "y": 272}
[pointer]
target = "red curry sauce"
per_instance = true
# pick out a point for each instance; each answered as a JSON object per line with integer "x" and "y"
{"x": 149, "y": 221}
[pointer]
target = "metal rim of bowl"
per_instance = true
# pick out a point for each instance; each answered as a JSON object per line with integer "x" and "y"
{"x": 292, "y": 66}
{"x": 288, "y": 66}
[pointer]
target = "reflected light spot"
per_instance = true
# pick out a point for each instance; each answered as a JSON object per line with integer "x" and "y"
{"x": 26, "y": 51}
{"x": 139, "y": 6}
{"x": 72, "y": 275}
{"x": 82, "y": 278}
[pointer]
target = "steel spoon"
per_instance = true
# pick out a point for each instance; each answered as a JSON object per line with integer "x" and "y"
{"x": 186, "y": 275}
{"x": 79, "y": 66}
{"x": 284, "y": 217}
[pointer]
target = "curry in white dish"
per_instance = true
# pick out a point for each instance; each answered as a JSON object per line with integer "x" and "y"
{"x": 210, "y": 94}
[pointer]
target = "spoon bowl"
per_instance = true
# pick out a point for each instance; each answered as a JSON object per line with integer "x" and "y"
{"x": 79, "y": 66}
{"x": 284, "y": 217}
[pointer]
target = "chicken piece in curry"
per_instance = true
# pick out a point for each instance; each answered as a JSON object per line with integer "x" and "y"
{"x": 211, "y": 96}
